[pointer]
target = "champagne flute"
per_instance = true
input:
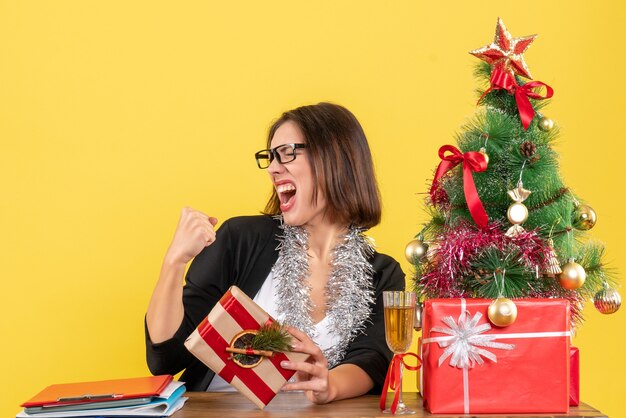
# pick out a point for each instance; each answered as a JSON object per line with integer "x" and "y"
{"x": 399, "y": 318}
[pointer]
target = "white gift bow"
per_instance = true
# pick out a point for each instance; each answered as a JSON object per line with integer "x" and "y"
{"x": 465, "y": 341}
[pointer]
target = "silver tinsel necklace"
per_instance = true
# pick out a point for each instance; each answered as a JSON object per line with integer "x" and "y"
{"x": 349, "y": 291}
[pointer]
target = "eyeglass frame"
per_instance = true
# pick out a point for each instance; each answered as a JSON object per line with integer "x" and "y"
{"x": 274, "y": 155}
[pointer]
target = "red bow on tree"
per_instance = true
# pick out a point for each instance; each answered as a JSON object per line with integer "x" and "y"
{"x": 472, "y": 162}
{"x": 501, "y": 79}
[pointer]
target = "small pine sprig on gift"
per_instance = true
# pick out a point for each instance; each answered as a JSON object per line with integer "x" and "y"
{"x": 272, "y": 337}
{"x": 264, "y": 342}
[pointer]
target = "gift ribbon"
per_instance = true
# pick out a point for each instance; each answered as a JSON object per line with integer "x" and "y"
{"x": 472, "y": 162}
{"x": 246, "y": 321}
{"x": 465, "y": 342}
{"x": 218, "y": 344}
{"x": 393, "y": 379}
{"x": 230, "y": 369}
{"x": 504, "y": 80}
{"x": 456, "y": 335}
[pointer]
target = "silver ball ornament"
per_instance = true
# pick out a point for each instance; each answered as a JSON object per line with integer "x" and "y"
{"x": 607, "y": 300}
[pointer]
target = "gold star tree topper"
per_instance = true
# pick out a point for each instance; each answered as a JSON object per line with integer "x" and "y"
{"x": 506, "y": 52}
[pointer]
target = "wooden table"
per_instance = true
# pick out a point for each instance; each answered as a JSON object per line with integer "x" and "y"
{"x": 225, "y": 405}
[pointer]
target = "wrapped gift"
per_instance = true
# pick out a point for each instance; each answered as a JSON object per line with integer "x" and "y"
{"x": 574, "y": 377}
{"x": 235, "y": 315}
{"x": 472, "y": 366}
{"x": 419, "y": 382}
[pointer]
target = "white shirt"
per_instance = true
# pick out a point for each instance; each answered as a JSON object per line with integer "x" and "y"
{"x": 266, "y": 298}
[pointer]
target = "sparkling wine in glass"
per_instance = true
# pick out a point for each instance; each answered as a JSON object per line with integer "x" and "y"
{"x": 399, "y": 317}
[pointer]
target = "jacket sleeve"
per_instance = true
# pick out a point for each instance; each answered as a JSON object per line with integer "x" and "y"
{"x": 207, "y": 279}
{"x": 242, "y": 254}
{"x": 369, "y": 350}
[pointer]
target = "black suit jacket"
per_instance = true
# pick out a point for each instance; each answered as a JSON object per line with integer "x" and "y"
{"x": 243, "y": 255}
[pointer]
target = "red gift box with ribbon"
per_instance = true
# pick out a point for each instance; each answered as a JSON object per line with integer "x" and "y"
{"x": 233, "y": 314}
{"x": 471, "y": 366}
{"x": 574, "y": 381}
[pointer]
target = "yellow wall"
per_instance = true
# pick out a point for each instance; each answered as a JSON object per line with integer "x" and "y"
{"x": 115, "y": 114}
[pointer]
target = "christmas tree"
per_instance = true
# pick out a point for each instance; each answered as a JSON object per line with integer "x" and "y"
{"x": 503, "y": 223}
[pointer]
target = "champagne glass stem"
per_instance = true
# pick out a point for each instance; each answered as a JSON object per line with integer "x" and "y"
{"x": 401, "y": 405}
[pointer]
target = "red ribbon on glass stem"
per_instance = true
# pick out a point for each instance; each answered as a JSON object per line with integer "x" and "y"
{"x": 393, "y": 379}
{"x": 504, "y": 80}
{"x": 472, "y": 162}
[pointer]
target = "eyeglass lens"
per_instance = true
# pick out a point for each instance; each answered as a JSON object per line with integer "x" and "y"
{"x": 284, "y": 153}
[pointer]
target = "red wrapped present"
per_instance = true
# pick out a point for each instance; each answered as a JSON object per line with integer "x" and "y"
{"x": 419, "y": 382}
{"x": 574, "y": 377}
{"x": 471, "y": 366}
{"x": 233, "y": 315}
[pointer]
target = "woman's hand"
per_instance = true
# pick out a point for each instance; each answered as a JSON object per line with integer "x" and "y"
{"x": 312, "y": 376}
{"x": 193, "y": 233}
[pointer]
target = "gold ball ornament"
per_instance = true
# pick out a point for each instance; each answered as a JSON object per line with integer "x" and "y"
{"x": 545, "y": 124}
{"x": 415, "y": 250}
{"x": 572, "y": 276}
{"x": 502, "y": 312}
{"x": 607, "y": 300}
{"x": 584, "y": 217}
{"x": 517, "y": 213}
{"x": 483, "y": 151}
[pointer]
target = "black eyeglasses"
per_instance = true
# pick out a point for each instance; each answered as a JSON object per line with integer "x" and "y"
{"x": 283, "y": 153}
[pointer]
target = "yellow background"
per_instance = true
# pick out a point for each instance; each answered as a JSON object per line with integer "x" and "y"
{"x": 116, "y": 114}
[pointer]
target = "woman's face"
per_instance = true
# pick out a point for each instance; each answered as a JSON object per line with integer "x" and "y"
{"x": 293, "y": 181}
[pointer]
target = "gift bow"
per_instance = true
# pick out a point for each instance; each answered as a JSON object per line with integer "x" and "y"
{"x": 501, "y": 79}
{"x": 472, "y": 162}
{"x": 465, "y": 341}
{"x": 393, "y": 379}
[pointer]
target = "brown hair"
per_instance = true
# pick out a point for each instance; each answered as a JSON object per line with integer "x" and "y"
{"x": 341, "y": 162}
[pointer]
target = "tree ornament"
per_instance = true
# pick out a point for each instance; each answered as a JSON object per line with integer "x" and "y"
{"x": 607, "y": 300}
{"x": 417, "y": 322}
{"x": 573, "y": 275}
{"x": 553, "y": 267}
{"x": 416, "y": 250}
{"x": 483, "y": 151}
{"x": 472, "y": 161}
{"x": 506, "y": 52}
{"x": 584, "y": 217}
{"x": 517, "y": 212}
{"x": 545, "y": 124}
{"x": 502, "y": 312}
{"x": 529, "y": 151}
{"x": 506, "y": 60}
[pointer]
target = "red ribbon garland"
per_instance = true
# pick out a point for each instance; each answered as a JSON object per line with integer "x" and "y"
{"x": 392, "y": 380}
{"x": 501, "y": 79}
{"x": 472, "y": 161}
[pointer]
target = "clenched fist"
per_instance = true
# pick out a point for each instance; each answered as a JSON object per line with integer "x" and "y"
{"x": 194, "y": 232}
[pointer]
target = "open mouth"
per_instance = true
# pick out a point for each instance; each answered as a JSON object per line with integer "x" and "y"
{"x": 286, "y": 194}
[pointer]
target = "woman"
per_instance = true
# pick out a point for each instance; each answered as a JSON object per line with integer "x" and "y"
{"x": 305, "y": 262}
